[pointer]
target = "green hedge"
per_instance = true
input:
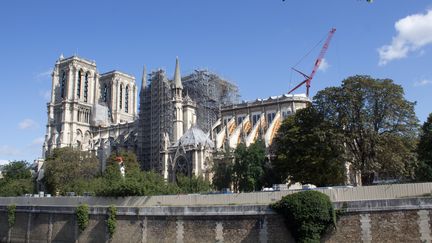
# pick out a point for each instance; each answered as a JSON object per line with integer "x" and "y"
{"x": 308, "y": 215}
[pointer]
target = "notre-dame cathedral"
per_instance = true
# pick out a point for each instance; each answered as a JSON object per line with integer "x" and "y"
{"x": 180, "y": 124}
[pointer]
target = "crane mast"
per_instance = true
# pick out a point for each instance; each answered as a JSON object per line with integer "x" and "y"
{"x": 308, "y": 78}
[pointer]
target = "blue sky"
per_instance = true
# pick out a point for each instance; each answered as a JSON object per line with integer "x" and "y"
{"x": 253, "y": 43}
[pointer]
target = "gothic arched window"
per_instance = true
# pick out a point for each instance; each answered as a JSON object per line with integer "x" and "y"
{"x": 86, "y": 87}
{"x": 121, "y": 96}
{"x": 79, "y": 84}
{"x": 105, "y": 93}
{"x": 63, "y": 84}
{"x": 127, "y": 99}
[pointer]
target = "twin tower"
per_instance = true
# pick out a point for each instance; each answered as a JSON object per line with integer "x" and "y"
{"x": 93, "y": 111}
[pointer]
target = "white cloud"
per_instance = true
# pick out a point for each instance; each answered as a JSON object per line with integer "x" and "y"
{"x": 414, "y": 32}
{"x": 38, "y": 141}
{"x": 3, "y": 161}
{"x": 27, "y": 124}
{"x": 46, "y": 94}
{"x": 422, "y": 82}
{"x": 44, "y": 75}
{"x": 6, "y": 150}
{"x": 324, "y": 65}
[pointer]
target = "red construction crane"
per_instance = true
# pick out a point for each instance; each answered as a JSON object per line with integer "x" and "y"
{"x": 317, "y": 64}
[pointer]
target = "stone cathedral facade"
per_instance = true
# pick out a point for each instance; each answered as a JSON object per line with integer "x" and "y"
{"x": 172, "y": 133}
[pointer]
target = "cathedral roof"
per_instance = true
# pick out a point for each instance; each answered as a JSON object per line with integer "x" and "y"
{"x": 194, "y": 136}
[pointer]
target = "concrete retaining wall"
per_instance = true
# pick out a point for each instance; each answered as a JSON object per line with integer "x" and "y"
{"x": 255, "y": 198}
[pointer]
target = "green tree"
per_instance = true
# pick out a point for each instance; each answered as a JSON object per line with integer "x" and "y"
{"x": 192, "y": 184}
{"x": 135, "y": 182}
{"x": 308, "y": 150}
{"x": 372, "y": 114}
{"x": 223, "y": 170}
{"x": 69, "y": 169}
{"x": 424, "y": 151}
{"x": 17, "y": 179}
{"x": 248, "y": 166}
{"x": 16, "y": 170}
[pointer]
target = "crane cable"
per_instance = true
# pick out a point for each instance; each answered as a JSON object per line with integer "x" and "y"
{"x": 307, "y": 54}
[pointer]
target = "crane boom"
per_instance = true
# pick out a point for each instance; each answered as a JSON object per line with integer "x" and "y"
{"x": 316, "y": 66}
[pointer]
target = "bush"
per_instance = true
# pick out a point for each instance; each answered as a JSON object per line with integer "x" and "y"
{"x": 111, "y": 221}
{"x": 82, "y": 214}
{"x": 308, "y": 214}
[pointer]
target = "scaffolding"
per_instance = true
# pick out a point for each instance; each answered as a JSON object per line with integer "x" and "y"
{"x": 156, "y": 115}
{"x": 210, "y": 92}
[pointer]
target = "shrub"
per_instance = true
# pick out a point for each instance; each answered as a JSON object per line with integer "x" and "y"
{"x": 82, "y": 214}
{"x": 308, "y": 214}
{"x": 111, "y": 221}
{"x": 11, "y": 215}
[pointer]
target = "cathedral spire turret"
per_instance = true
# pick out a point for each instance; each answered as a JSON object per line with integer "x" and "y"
{"x": 144, "y": 79}
{"x": 176, "y": 89}
{"x": 177, "y": 76}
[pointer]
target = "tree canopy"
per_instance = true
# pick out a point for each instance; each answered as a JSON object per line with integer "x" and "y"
{"x": 308, "y": 150}
{"x": 424, "y": 151}
{"x": 70, "y": 170}
{"x": 248, "y": 166}
{"x": 223, "y": 169}
{"x": 376, "y": 120}
{"x": 365, "y": 121}
{"x": 17, "y": 179}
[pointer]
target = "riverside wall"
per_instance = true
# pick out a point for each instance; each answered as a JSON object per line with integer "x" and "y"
{"x": 390, "y": 215}
{"x": 387, "y": 220}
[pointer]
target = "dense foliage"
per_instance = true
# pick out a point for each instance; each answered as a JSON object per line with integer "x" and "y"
{"x": 368, "y": 119}
{"x": 111, "y": 221}
{"x": 82, "y": 214}
{"x": 376, "y": 120}
{"x": 307, "y": 214}
{"x": 244, "y": 169}
{"x": 17, "y": 179}
{"x": 11, "y": 215}
{"x": 223, "y": 169}
{"x": 192, "y": 184}
{"x": 71, "y": 170}
{"x": 248, "y": 166}
{"x": 135, "y": 182}
{"x": 306, "y": 146}
{"x": 424, "y": 151}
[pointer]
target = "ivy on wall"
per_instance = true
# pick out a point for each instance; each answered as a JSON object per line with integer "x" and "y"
{"x": 82, "y": 214}
{"x": 11, "y": 215}
{"x": 111, "y": 221}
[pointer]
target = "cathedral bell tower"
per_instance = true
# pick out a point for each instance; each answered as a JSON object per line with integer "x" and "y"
{"x": 177, "y": 89}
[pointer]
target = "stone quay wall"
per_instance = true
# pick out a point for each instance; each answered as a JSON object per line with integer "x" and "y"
{"x": 389, "y": 220}
{"x": 149, "y": 224}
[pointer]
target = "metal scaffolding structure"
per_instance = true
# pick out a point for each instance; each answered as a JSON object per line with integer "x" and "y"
{"x": 210, "y": 92}
{"x": 207, "y": 89}
{"x": 155, "y": 119}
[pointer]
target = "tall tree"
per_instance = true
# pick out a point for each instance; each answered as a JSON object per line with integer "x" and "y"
{"x": 223, "y": 169}
{"x": 66, "y": 169}
{"x": 424, "y": 151}
{"x": 375, "y": 118}
{"x": 248, "y": 166}
{"x": 308, "y": 150}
